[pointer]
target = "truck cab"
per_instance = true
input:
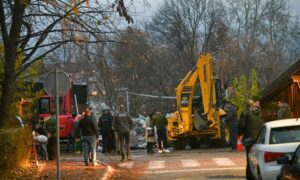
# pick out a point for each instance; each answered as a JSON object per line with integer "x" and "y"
{"x": 67, "y": 107}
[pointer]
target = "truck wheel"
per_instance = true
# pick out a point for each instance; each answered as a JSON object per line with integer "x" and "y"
{"x": 179, "y": 144}
{"x": 224, "y": 141}
{"x": 194, "y": 143}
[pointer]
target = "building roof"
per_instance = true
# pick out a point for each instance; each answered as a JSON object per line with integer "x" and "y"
{"x": 281, "y": 82}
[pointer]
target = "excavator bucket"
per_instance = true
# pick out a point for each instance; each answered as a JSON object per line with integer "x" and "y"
{"x": 198, "y": 121}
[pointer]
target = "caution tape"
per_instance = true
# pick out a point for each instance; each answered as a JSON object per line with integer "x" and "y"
{"x": 152, "y": 96}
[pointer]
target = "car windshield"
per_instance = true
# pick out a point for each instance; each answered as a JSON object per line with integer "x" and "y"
{"x": 285, "y": 135}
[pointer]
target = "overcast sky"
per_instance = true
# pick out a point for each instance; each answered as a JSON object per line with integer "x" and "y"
{"x": 144, "y": 9}
{"x": 295, "y": 7}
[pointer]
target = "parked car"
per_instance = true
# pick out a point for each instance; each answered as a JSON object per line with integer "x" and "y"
{"x": 277, "y": 139}
{"x": 290, "y": 168}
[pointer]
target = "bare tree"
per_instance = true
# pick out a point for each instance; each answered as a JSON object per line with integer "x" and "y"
{"x": 176, "y": 25}
{"x": 131, "y": 65}
{"x": 36, "y": 28}
{"x": 105, "y": 79}
{"x": 262, "y": 30}
{"x": 241, "y": 35}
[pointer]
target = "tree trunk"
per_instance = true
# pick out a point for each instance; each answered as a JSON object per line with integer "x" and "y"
{"x": 10, "y": 41}
{"x": 8, "y": 88}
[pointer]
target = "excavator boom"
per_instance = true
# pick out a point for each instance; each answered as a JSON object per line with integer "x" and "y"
{"x": 198, "y": 103}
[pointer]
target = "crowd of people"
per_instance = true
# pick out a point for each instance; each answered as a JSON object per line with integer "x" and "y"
{"x": 115, "y": 130}
{"x": 249, "y": 124}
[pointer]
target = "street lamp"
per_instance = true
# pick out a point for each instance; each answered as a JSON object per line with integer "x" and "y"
{"x": 94, "y": 93}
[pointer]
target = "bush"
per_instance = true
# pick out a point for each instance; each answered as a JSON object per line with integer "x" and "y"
{"x": 15, "y": 146}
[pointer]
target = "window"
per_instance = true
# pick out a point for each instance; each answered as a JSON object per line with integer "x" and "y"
{"x": 285, "y": 135}
{"x": 44, "y": 106}
{"x": 262, "y": 136}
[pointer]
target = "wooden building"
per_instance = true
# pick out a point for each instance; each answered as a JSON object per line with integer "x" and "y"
{"x": 285, "y": 88}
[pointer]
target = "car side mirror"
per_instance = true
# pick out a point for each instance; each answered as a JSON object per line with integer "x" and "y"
{"x": 283, "y": 160}
{"x": 249, "y": 141}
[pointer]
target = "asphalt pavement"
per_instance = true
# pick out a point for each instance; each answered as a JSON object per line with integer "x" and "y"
{"x": 184, "y": 164}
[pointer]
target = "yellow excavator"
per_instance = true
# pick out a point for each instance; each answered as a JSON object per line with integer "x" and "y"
{"x": 199, "y": 116}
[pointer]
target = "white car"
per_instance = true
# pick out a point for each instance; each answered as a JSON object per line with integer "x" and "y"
{"x": 276, "y": 139}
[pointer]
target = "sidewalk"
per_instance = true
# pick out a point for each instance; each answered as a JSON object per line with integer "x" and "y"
{"x": 72, "y": 167}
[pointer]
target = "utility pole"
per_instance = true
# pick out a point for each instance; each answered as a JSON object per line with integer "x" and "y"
{"x": 127, "y": 100}
{"x": 57, "y": 125}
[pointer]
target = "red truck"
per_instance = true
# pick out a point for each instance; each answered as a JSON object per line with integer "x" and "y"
{"x": 72, "y": 103}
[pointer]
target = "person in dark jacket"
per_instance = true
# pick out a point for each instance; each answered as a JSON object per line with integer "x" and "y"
{"x": 149, "y": 133}
{"x": 39, "y": 127}
{"x": 107, "y": 132}
{"x": 249, "y": 126}
{"x": 117, "y": 139}
{"x": 232, "y": 120}
{"x": 71, "y": 144}
{"x": 284, "y": 111}
{"x": 161, "y": 122}
{"x": 50, "y": 130}
{"x": 123, "y": 125}
{"x": 89, "y": 135}
{"x": 77, "y": 147}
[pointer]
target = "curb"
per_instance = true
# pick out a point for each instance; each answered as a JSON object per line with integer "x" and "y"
{"x": 108, "y": 172}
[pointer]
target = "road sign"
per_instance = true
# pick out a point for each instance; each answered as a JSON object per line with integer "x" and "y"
{"x": 57, "y": 84}
{"x": 64, "y": 83}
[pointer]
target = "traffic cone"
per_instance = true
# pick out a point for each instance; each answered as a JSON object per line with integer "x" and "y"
{"x": 239, "y": 144}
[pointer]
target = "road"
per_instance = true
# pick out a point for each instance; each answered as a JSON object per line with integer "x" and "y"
{"x": 186, "y": 164}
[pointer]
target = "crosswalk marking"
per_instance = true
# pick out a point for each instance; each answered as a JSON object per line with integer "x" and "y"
{"x": 185, "y": 163}
{"x": 223, "y": 162}
{"x": 190, "y": 163}
{"x": 156, "y": 165}
{"x": 126, "y": 165}
{"x": 193, "y": 170}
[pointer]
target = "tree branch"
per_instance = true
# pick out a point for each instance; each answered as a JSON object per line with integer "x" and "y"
{"x": 67, "y": 41}
{"x": 17, "y": 13}
{"x": 3, "y": 24}
{"x": 28, "y": 35}
{"x": 25, "y": 66}
{"x": 45, "y": 34}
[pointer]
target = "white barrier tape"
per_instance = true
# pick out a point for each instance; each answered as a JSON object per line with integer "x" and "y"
{"x": 152, "y": 96}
